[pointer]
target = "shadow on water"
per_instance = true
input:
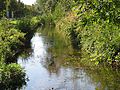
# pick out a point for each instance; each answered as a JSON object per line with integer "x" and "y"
{"x": 52, "y": 64}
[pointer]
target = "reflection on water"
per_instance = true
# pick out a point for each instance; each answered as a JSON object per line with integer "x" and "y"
{"x": 47, "y": 72}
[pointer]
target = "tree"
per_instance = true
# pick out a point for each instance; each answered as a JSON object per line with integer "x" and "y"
{"x": 2, "y": 8}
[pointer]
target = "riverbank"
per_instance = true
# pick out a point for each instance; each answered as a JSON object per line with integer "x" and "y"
{"x": 14, "y": 37}
{"x": 99, "y": 42}
{"x": 60, "y": 63}
{"x": 93, "y": 31}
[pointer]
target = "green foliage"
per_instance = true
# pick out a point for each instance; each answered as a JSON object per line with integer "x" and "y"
{"x": 53, "y": 10}
{"x": 13, "y": 36}
{"x": 12, "y": 76}
{"x": 10, "y": 40}
{"x": 95, "y": 28}
{"x": 28, "y": 26}
{"x": 101, "y": 41}
{"x": 24, "y": 25}
{"x": 93, "y": 25}
{"x": 46, "y": 6}
{"x": 58, "y": 12}
{"x": 15, "y": 9}
{"x": 98, "y": 29}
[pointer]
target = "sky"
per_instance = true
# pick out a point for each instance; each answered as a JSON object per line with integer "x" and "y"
{"x": 28, "y": 2}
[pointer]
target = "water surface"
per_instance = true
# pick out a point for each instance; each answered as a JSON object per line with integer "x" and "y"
{"x": 46, "y": 70}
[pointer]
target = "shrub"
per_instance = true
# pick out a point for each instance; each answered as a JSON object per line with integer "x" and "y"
{"x": 10, "y": 40}
{"x": 95, "y": 29}
{"x": 12, "y": 76}
{"x": 26, "y": 26}
{"x": 98, "y": 29}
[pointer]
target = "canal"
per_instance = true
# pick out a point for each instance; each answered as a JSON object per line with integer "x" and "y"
{"x": 48, "y": 68}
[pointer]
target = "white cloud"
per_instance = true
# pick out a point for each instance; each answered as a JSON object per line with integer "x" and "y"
{"x": 28, "y": 2}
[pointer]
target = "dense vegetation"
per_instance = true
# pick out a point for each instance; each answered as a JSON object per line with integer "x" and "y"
{"x": 98, "y": 29}
{"x": 10, "y": 41}
{"x": 15, "y": 9}
{"x": 93, "y": 26}
{"x": 14, "y": 36}
{"x": 12, "y": 76}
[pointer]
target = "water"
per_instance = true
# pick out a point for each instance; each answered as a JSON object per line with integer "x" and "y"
{"x": 47, "y": 70}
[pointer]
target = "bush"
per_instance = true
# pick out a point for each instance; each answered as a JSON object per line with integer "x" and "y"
{"x": 98, "y": 29}
{"x": 95, "y": 29}
{"x": 26, "y": 26}
{"x": 10, "y": 40}
{"x": 12, "y": 76}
